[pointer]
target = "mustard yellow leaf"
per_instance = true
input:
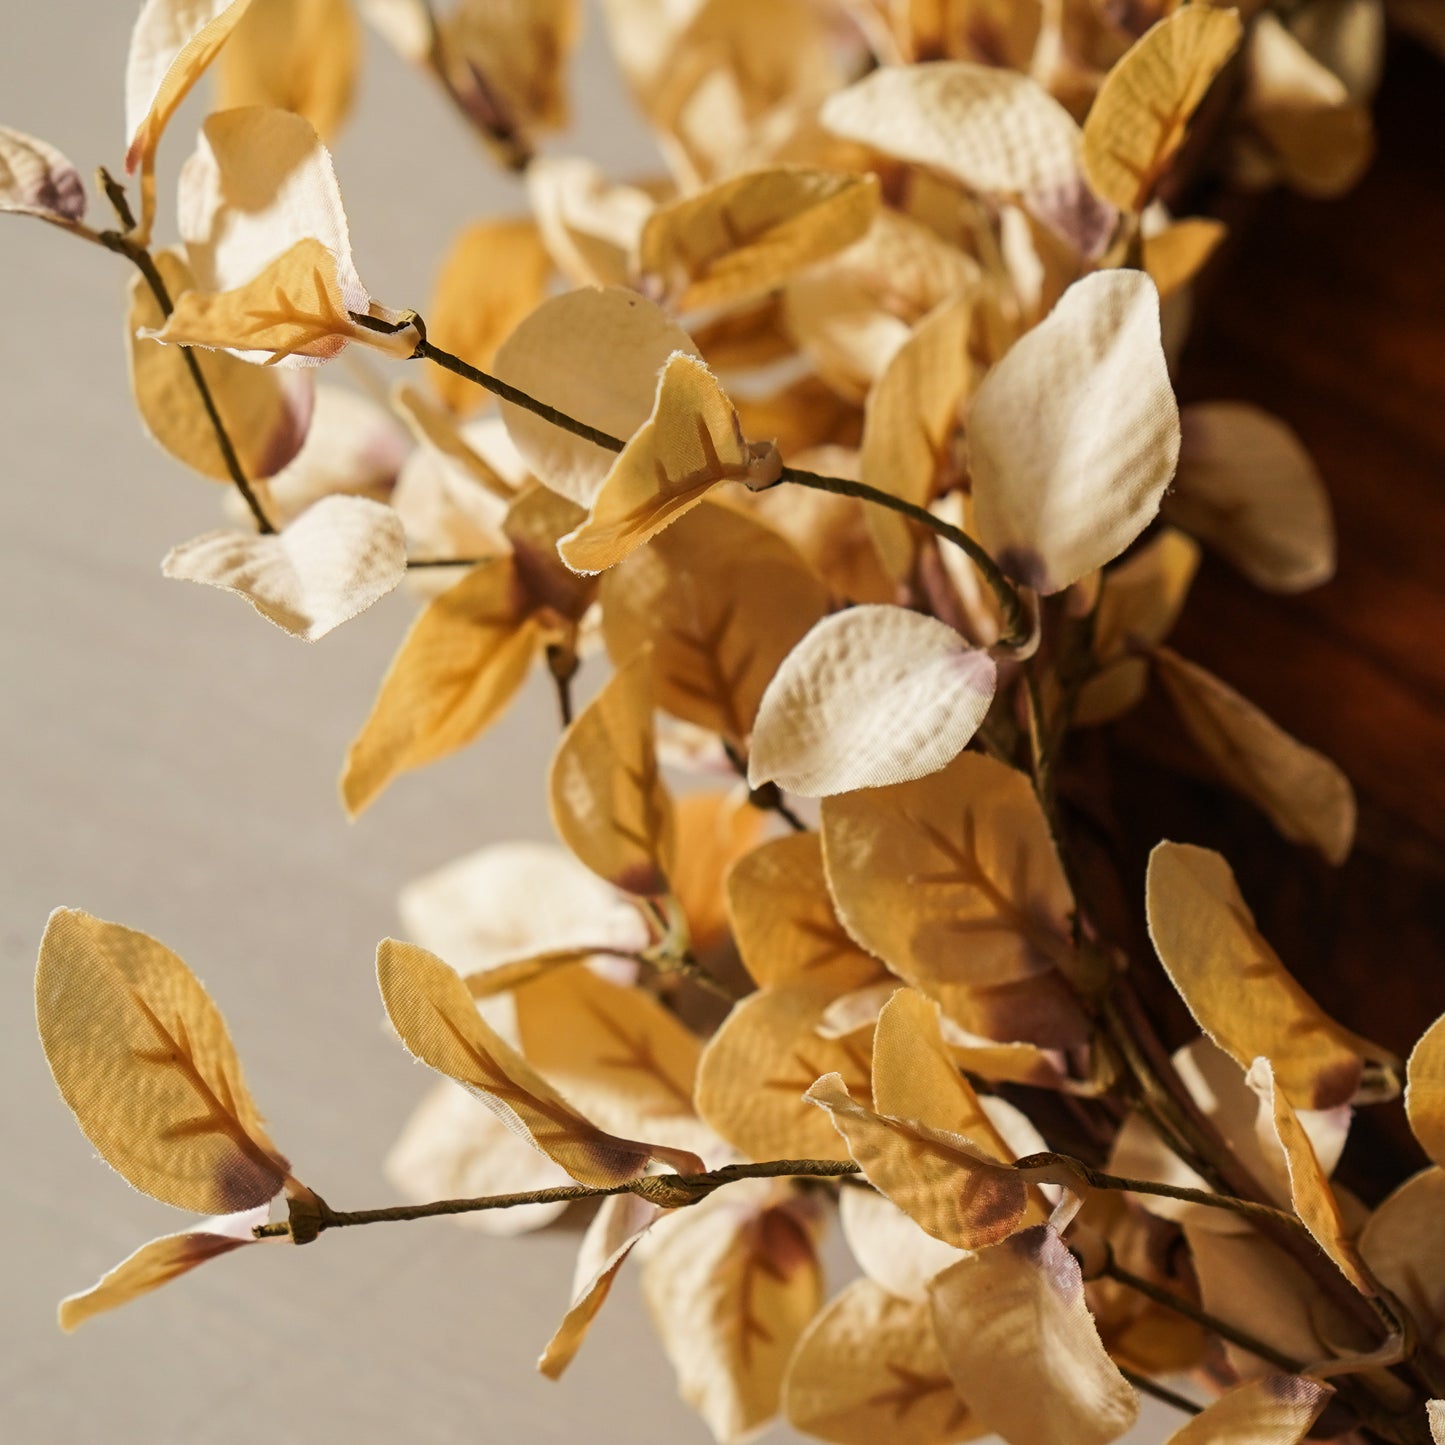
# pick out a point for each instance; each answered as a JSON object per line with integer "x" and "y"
{"x": 1022, "y": 1348}
{"x": 715, "y": 828}
{"x": 266, "y": 413}
{"x": 437, "y": 1020}
{"x": 142, "y": 1057}
{"x": 595, "y": 355}
{"x": 731, "y": 1284}
{"x": 751, "y": 232}
{"x": 608, "y": 800}
{"x": 1177, "y": 254}
{"x": 36, "y": 180}
{"x": 869, "y": 1368}
{"x": 872, "y": 696}
{"x": 1074, "y": 435}
{"x": 1141, "y": 114}
{"x": 296, "y": 55}
{"x": 1247, "y": 487}
{"x": 1425, "y": 1090}
{"x": 159, "y": 1262}
{"x": 759, "y": 1065}
{"x": 1240, "y": 993}
{"x": 1304, "y": 794}
{"x": 537, "y": 519}
{"x": 690, "y": 443}
{"x": 492, "y": 277}
{"x": 784, "y": 923}
{"x": 995, "y": 130}
{"x": 951, "y": 880}
{"x": 459, "y": 666}
{"x": 721, "y": 599}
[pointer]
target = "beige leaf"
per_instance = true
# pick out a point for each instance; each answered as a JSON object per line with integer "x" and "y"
{"x": 784, "y": 923}
{"x": 872, "y": 696}
{"x": 616, "y": 1229}
{"x": 142, "y": 1056}
{"x": 334, "y": 561}
{"x": 1425, "y": 1090}
{"x": 759, "y": 1065}
{"x": 751, "y": 232}
{"x": 170, "y": 47}
{"x": 588, "y": 224}
{"x": 438, "y": 429}
{"x": 36, "y": 180}
{"x": 1240, "y": 993}
{"x": 1400, "y": 1246}
{"x": 1309, "y": 1188}
{"x": 952, "y": 880}
{"x": 890, "y": 1248}
{"x": 731, "y": 1285}
{"x": 266, "y": 413}
{"x": 721, "y": 599}
{"x": 608, "y": 800}
{"x": 296, "y": 55}
{"x": 911, "y": 424}
{"x": 159, "y": 1262}
{"x": 294, "y": 311}
{"x": 1074, "y": 435}
{"x": 1436, "y": 1411}
{"x": 1272, "y": 1410}
{"x": 1177, "y": 254}
{"x": 993, "y": 129}
{"x": 1141, "y": 114}
{"x": 1247, "y": 487}
{"x": 1022, "y": 1348}
{"x": 258, "y": 184}
{"x": 595, "y": 355}
{"x": 454, "y": 1147}
{"x": 869, "y": 1369}
{"x": 459, "y": 666}
{"x": 1305, "y": 795}
{"x": 690, "y": 443}
{"x": 433, "y": 1013}
{"x": 1141, "y": 600}
{"x": 493, "y": 275}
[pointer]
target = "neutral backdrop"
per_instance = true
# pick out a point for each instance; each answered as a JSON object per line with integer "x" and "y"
{"x": 170, "y": 762}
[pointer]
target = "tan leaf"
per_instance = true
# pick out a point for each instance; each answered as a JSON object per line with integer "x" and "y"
{"x": 595, "y": 355}
{"x": 616, "y": 1229}
{"x": 535, "y": 522}
{"x": 1400, "y": 1246}
{"x": 1425, "y": 1090}
{"x": 1240, "y": 993}
{"x": 36, "y": 180}
{"x": 1141, "y": 600}
{"x": 993, "y": 129}
{"x": 1309, "y": 1188}
{"x": 142, "y": 1056}
{"x": 731, "y": 1285}
{"x": 170, "y": 47}
{"x": 911, "y": 424}
{"x": 159, "y": 1262}
{"x": 433, "y": 1013}
{"x": 458, "y": 667}
{"x": 872, "y": 696}
{"x": 1141, "y": 114}
{"x": 1247, "y": 487}
{"x": 608, "y": 800}
{"x": 759, "y": 1065}
{"x": 1177, "y": 254}
{"x": 714, "y": 830}
{"x": 784, "y": 923}
{"x": 890, "y": 1248}
{"x": 690, "y": 443}
{"x": 1022, "y": 1348}
{"x": 297, "y": 55}
{"x": 721, "y": 599}
{"x": 1074, "y": 435}
{"x": 869, "y": 1368}
{"x": 454, "y": 1147}
{"x": 259, "y": 183}
{"x": 294, "y": 312}
{"x": 952, "y": 880}
{"x": 751, "y": 232}
{"x": 1305, "y": 795}
{"x": 1272, "y": 1410}
{"x": 334, "y": 561}
{"x": 493, "y": 275}
{"x": 266, "y": 413}
{"x": 588, "y": 224}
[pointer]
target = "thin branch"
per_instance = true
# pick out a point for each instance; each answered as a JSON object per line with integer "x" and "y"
{"x": 562, "y": 663}
{"x": 768, "y": 798}
{"x": 1180, "y": 1402}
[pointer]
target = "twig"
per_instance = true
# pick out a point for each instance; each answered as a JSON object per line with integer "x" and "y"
{"x": 768, "y": 798}
{"x": 1161, "y": 1392}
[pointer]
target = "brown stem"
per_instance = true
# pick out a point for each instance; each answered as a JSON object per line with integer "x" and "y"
{"x": 1160, "y": 1392}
